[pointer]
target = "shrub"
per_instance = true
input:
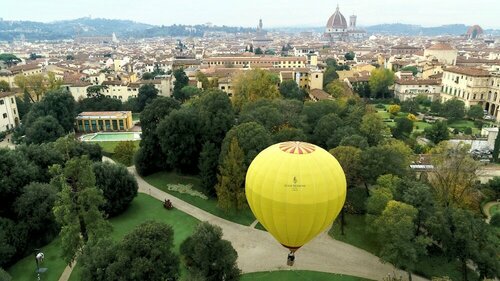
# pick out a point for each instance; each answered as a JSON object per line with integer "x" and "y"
{"x": 468, "y": 131}
{"x": 124, "y": 152}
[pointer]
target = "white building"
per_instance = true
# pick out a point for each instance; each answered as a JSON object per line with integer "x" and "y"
{"x": 406, "y": 89}
{"x": 442, "y": 52}
{"x": 9, "y": 117}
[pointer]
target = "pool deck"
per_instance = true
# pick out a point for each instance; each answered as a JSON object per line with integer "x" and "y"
{"x": 111, "y": 136}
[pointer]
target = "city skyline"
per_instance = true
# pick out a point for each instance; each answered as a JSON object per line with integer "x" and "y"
{"x": 274, "y": 14}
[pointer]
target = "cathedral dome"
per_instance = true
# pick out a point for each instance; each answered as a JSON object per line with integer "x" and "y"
{"x": 337, "y": 20}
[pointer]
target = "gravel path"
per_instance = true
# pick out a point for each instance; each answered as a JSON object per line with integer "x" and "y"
{"x": 258, "y": 251}
{"x": 486, "y": 209}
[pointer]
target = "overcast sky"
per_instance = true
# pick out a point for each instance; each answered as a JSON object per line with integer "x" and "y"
{"x": 275, "y": 13}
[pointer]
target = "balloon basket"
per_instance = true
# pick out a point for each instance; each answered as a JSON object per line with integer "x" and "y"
{"x": 291, "y": 259}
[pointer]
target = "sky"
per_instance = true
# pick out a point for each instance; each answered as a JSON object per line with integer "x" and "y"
{"x": 275, "y": 13}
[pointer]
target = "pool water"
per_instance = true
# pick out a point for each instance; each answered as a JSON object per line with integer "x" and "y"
{"x": 112, "y": 137}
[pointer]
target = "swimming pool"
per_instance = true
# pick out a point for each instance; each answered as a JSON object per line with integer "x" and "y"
{"x": 125, "y": 136}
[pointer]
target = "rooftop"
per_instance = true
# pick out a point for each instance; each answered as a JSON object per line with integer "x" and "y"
{"x": 469, "y": 71}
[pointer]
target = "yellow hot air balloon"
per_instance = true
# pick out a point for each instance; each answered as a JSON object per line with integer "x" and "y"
{"x": 295, "y": 190}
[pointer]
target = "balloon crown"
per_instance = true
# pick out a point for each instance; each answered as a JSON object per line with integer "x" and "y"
{"x": 297, "y": 147}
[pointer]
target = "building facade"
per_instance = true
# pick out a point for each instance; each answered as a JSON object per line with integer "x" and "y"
{"x": 9, "y": 116}
{"x": 104, "y": 121}
{"x": 337, "y": 28}
{"x": 406, "y": 89}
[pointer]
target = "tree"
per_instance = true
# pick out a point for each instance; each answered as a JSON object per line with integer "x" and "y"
{"x": 124, "y": 152}
{"x": 323, "y": 130}
{"x": 258, "y": 51}
{"x": 392, "y": 157}
{"x": 418, "y": 195}
{"x": 210, "y": 257}
{"x": 42, "y": 156}
{"x": 16, "y": 172}
{"x": 7, "y": 241}
{"x": 329, "y": 75}
{"x": 403, "y": 128}
{"x": 337, "y": 89}
{"x": 453, "y": 109}
{"x": 37, "y": 85}
{"x": 207, "y": 164}
{"x": 147, "y": 76}
{"x": 59, "y": 104}
{"x": 400, "y": 245}
{"x": 179, "y": 136}
{"x": 267, "y": 115}
{"x": 412, "y": 68}
{"x": 44, "y": 129}
{"x": 495, "y": 219}
{"x": 181, "y": 81}
{"x": 475, "y": 112}
{"x": 147, "y": 253}
{"x": 354, "y": 140}
{"x": 410, "y": 105}
{"x": 149, "y": 158}
{"x": 252, "y": 85}
{"x": 312, "y": 112}
{"x": 349, "y": 56}
{"x": 4, "y": 86}
{"x": 394, "y": 109}
{"x": 251, "y": 137}
{"x": 454, "y": 176}
{"x": 436, "y": 106}
{"x": 186, "y": 93}
{"x": 230, "y": 189}
{"x": 350, "y": 159}
{"x": 378, "y": 201}
{"x": 216, "y": 115}
{"x": 438, "y": 132}
{"x": 147, "y": 93}
{"x": 9, "y": 59}
{"x": 77, "y": 206}
{"x": 373, "y": 128}
{"x": 97, "y": 257}
{"x": 34, "y": 210}
{"x": 464, "y": 236}
{"x": 70, "y": 147}
{"x": 94, "y": 91}
{"x": 289, "y": 134}
{"x": 496, "y": 148}
{"x": 118, "y": 186}
{"x": 290, "y": 90}
{"x": 379, "y": 82}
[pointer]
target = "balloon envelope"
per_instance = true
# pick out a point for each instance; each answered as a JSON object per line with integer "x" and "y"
{"x": 295, "y": 190}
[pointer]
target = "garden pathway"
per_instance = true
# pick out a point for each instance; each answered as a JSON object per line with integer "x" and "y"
{"x": 258, "y": 251}
{"x": 486, "y": 209}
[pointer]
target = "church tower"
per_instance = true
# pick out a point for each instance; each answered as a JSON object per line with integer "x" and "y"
{"x": 352, "y": 22}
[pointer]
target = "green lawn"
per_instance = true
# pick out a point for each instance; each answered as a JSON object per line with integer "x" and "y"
{"x": 142, "y": 208}
{"x": 435, "y": 264}
{"x": 494, "y": 209}
{"x": 161, "y": 179}
{"x": 109, "y": 146}
{"x": 421, "y": 125}
{"x": 298, "y": 275}
{"x": 24, "y": 270}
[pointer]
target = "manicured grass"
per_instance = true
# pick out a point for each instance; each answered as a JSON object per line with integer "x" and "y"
{"x": 161, "y": 179}
{"x": 109, "y": 146}
{"x": 143, "y": 208}
{"x": 494, "y": 209}
{"x": 434, "y": 264}
{"x": 24, "y": 270}
{"x": 421, "y": 125}
{"x": 356, "y": 233}
{"x": 384, "y": 114}
{"x": 298, "y": 275}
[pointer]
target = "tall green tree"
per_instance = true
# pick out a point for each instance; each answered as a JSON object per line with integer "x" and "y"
{"x": 147, "y": 253}
{"x": 254, "y": 84}
{"x": 147, "y": 93}
{"x": 9, "y": 59}
{"x": 379, "y": 82}
{"x": 124, "y": 152}
{"x": 44, "y": 129}
{"x": 400, "y": 245}
{"x": 230, "y": 187}
{"x": 179, "y": 136}
{"x": 59, "y": 104}
{"x": 216, "y": 115}
{"x": 373, "y": 128}
{"x": 290, "y": 90}
{"x": 207, "y": 164}
{"x": 181, "y": 81}
{"x": 475, "y": 112}
{"x": 403, "y": 129}
{"x": 77, "y": 206}
{"x": 118, "y": 186}
{"x": 438, "y": 132}
{"x": 4, "y": 86}
{"x": 453, "y": 109}
{"x": 210, "y": 257}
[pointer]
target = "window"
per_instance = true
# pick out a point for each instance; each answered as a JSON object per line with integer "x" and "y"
{"x": 4, "y": 115}
{"x": 121, "y": 125}
{"x": 14, "y": 110}
{"x": 12, "y": 100}
{"x": 1, "y": 102}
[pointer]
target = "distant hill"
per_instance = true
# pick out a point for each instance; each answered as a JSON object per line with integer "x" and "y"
{"x": 70, "y": 29}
